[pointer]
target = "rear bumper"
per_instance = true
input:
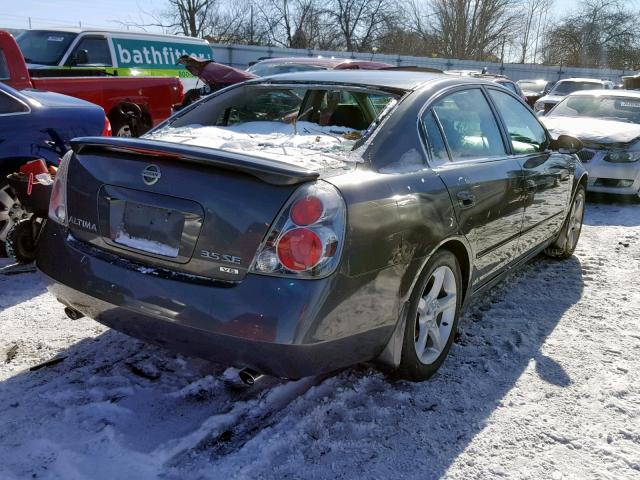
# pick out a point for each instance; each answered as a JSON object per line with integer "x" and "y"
{"x": 282, "y": 327}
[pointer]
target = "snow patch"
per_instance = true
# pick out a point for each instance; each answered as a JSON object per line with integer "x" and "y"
{"x": 146, "y": 245}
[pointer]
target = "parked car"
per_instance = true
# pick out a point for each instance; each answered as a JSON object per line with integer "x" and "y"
{"x": 306, "y": 222}
{"x": 152, "y": 97}
{"x": 80, "y": 51}
{"x": 506, "y": 82}
{"x": 37, "y": 125}
{"x": 275, "y": 66}
{"x": 608, "y": 124}
{"x": 534, "y": 89}
{"x": 562, "y": 88}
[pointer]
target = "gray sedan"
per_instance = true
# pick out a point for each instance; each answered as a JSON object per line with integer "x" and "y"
{"x": 305, "y": 222}
{"x": 608, "y": 124}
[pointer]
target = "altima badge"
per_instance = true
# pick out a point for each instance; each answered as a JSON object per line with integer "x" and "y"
{"x": 151, "y": 174}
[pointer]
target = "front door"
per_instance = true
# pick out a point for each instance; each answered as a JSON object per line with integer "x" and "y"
{"x": 547, "y": 176}
{"x": 483, "y": 180}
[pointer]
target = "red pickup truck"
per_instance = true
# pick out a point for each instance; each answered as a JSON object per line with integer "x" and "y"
{"x": 154, "y": 95}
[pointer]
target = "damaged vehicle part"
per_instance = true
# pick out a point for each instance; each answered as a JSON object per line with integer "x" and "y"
{"x": 299, "y": 224}
{"x": 608, "y": 124}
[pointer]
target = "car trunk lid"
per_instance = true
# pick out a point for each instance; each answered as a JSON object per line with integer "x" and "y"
{"x": 194, "y": 211}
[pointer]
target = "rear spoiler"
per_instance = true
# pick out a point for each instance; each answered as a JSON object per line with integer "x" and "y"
{"x": 269, "y": 171}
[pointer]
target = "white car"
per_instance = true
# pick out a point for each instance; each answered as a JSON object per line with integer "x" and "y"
{"x": 562, "y": 88}
{"x": 608, "y": 123}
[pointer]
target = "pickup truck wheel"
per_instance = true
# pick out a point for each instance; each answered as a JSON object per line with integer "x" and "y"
{"x": 432, "y": 318}
{"x": 11, "y": 211}
{"x": 121, "y": 127}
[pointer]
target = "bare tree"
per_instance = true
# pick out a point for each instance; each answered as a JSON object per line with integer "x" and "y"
{"x": 602, "y": 33}
{"x": 360, "y": 21}
{"x": 473, "y": 29}
{"x": 532, "y": 27}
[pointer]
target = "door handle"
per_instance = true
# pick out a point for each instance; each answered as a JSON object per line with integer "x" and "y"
{"x": 466, "y": 199}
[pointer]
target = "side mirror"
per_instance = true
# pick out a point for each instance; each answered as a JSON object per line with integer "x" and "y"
{"x": 566, "y": 144}
{"x": 81, "y": 57}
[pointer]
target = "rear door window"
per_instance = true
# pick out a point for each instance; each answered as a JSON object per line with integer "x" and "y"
{"x": 525, "y": 132}
{"x": 469, "y": 126}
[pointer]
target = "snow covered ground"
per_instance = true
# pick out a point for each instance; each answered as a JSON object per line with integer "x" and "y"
{"x": 542, "y": 383}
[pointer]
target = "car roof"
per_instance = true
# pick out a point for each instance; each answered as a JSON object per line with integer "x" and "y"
{"x": 578, "y": 79}
{"x": 394, "y": 79}
{"x": 608, "y": 93}
{"x": 115, "y": 32}
{"x": 330, "y": 62}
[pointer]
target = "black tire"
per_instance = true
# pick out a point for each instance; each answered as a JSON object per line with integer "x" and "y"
{"x": 412, "y": 367}
{"x": 121, "y": 126}
{"x": 20, "y": 244}
{"x": 567, "y": 240}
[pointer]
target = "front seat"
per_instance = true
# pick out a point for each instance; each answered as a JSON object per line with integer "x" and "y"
{"x": 349, "y": 116}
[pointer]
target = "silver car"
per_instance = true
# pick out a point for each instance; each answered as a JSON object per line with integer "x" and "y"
{"x": 567, "y": 86}
{"x": 608, "y": 123}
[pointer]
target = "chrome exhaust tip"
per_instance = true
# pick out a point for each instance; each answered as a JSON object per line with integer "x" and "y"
{"x": 249, "y": 377}
{"x": 72, "y": 313}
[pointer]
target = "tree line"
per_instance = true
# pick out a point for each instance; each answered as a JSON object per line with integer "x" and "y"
{"x": 597, "y": 33}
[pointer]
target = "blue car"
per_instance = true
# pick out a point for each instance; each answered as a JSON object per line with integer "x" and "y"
{"x": 35, "y": 124}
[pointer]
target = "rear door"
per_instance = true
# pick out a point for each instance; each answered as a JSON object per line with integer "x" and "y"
{"x": 547, "y": 177}
{"x": 468, "y": 151}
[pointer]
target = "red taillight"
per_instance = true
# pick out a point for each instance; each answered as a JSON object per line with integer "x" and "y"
{"x": 306, "y": 238}
{"x": 300, "y": 249}
{"x": 106, "y": 131}
{"x": 306, "y": 211}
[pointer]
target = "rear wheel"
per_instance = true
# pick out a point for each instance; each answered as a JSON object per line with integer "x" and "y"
{"x": 432, "y": 318}
{"x": 11, "y": 211}
{"x": 567, "y": 240}
{"x": 121, "y": 126}
{"x": 21, "y": 244}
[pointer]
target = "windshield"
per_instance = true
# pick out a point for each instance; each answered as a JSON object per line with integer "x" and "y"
{"x": 266, "y": 69}
{"x": 312, "y": 127}
{"x": 44, "y": 47}
{"x": 625, "y": 109}
{"x": 532, "y": 87}
{"x": 565, "y": 88}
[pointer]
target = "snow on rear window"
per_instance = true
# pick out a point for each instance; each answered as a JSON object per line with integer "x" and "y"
{"x": 316, "y": 128}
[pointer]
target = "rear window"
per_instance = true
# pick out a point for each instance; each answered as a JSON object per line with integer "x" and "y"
{"x": 44, "y": 47}
{"x": 295, "y": 125}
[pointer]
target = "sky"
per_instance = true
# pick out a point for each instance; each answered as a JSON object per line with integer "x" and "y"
{"x": 70, "y": 13}
{"x": 105, "y": 13}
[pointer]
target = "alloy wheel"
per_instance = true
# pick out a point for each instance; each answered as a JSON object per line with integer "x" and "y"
{"x": 436, "y": 315}
{"x": 575, "y": 221}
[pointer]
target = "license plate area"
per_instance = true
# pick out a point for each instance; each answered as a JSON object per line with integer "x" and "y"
{"x": 146, "y": 224}
{"x": 146, "y": 228}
